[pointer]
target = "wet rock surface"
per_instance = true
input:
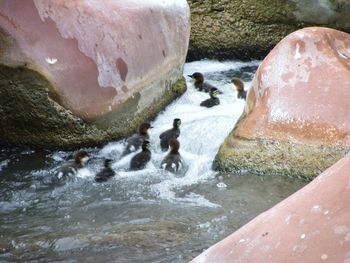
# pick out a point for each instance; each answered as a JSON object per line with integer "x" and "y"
{"x": 311, "y": 225}
{"x": 295, "y": 119}
{"x": 69, "y": 58}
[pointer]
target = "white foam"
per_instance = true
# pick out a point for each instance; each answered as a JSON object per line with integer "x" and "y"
{"x": 202, "y": 132}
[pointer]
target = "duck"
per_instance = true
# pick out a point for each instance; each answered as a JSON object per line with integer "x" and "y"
{"x": 169, "y": 134}
{"x": 200, "y": 84}
{"x": 71, "y": 167}
{"x": 134, "y": 143}
{"x": 106, "y": 173}
{"x": 238, "y": 83}
{"x": 173, "y": 162}
{"x": 140, "y": 160}
{"x": 213, "y": 100}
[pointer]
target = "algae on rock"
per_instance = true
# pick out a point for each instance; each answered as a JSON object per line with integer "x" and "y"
{"x": 30, "y": 115}
{"x": 251, "y": 28}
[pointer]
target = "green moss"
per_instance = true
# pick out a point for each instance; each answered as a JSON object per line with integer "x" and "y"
{"x": 238, "y": 29}
{"x": 30, "y": 117}
{"x": 243, "y": 29}
{"x": 276, "y": 158}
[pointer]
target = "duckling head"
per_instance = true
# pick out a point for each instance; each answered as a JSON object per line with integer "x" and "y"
{"x": 146, "y": 145}
{"x": 108, "y": 163}
{"x": 143, "y": 129}
{"x": 176, "y": 123}
{"x": 197, "y": 76}
{"x": 214, "y": 92}
{"x": 238, "y": 83}
{"x": 81, "y": 157}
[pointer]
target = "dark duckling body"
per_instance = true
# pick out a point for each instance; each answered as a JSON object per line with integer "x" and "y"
{"x": 169, "y": 134}
{"x": 238, "y": 83}
{"x": 140, "y": 160}
{"x": 173, "y": 162}
{"x": 71, "y": 167}
{"x": 213, "y": 101}
{"x": 200, "y": 84}
{"x": 106, "y": 173}
{"x": 135, "y": 141}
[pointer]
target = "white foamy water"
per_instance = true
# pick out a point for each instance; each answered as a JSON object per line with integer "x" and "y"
{"x": 202, "y": 132}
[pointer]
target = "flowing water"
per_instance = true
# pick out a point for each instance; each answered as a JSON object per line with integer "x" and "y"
{"x": 143, "y": 216}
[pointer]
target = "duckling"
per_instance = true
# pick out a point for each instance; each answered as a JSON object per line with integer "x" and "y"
{"x": 238, "y": 83}
{"x": 135, "y": 141}
{"x": 106, "y": 173}
{"x": 213, "y": 101}
{"x": 173, "y": 162}
{"x": 70, "y": 168}
{"x": 168, "y": 134}
{"x": 140, "y": 160}
{"x": 200, "y": 84}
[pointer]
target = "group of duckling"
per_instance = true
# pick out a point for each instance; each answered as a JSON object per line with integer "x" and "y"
{"x": 202, "y": 85}
{"x": 173, "y": 161}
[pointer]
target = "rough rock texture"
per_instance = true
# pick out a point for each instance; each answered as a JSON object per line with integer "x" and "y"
{"x": 83, "y": 72}
{"x": 312, "y": 225}
{"x": 296, "y": 119}
{"x": 251, "y": 28}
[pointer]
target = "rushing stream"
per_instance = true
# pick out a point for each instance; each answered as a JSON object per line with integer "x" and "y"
{"x": 143, "y": 216}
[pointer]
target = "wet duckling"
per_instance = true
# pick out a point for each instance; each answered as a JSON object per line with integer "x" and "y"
{"x": 106, "y": 173}
{"x": 238, "y": 83}
{"x": 169, "y": 134}
{"x": 140, "y": 160}
{"x": 173, "y": 161}
{"x": 200, "y": 84}
{"x": 135, "y": 141}
{"x": 213, "y": 101}
{"x": 71, "y": 167}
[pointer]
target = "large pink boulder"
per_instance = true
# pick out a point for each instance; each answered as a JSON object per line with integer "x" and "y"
{"x": 296, "y": 119}
{"x": 95, "y": 60}
{"x": 312, "y": 225}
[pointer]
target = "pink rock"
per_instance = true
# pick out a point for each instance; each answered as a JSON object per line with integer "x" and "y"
{"x": 97, "y": 69}
{"x": 296, "y": 118}
{"x": 97, "y": 54}
{"x": 301, "y": 90}
{"x": 312, "y": 225}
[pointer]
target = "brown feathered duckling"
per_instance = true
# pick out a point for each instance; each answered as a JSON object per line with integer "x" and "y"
{"x": 238, "y": 83}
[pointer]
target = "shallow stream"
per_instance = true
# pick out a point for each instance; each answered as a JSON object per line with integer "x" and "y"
{"x": 143, "y": 216}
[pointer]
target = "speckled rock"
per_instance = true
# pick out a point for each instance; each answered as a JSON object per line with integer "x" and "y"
{"x": 295, "y": 121}
{"x": 83, "y": 72}
{"x": 312, "y": 225}
{"x": 251, "y": 28}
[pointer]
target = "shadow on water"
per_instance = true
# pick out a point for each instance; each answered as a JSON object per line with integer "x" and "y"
{"x": 143, "y": 216}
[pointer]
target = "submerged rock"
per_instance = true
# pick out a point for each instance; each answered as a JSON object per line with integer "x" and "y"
{"x": 295, "y": 121}
{"x": 82, "y": 72}
{"x": 251, "y": 28}
{"x": 312, "y": 225}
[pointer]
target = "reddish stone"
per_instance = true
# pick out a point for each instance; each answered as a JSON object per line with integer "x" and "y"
{"x": 312, "y": 225}
{"x": 296, "y": 118}
{"x": 96, "y": 54}
{"x": 301, "y": 91}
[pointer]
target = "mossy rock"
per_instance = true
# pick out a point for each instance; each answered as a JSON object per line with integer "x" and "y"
{"x": 270, "y": 157}
{"x": 227, "y": 29}
{"x": 30, "y": 117}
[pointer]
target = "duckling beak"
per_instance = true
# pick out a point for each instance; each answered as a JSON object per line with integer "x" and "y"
{"x": 190, "y": 76}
